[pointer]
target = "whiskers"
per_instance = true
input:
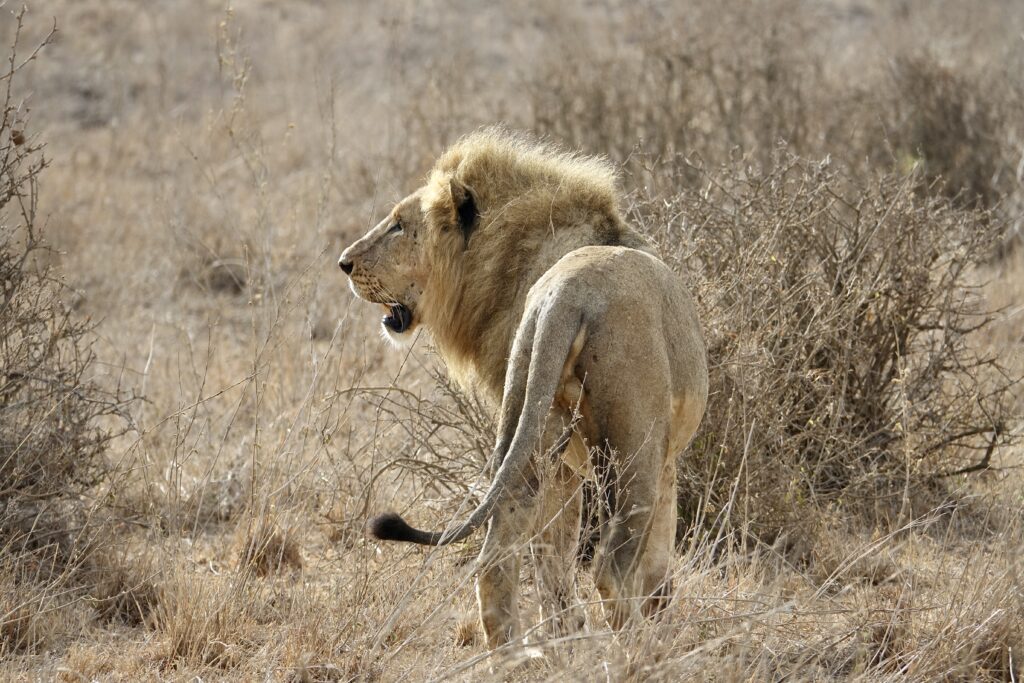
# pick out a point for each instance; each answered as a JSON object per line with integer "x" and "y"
{"x": 373, "y": 291}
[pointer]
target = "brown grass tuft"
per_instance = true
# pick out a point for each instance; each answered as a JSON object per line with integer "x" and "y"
{"x": 467, "y": 631}
{"x": 28, "y": 622}
{"x": 267, "y": 548}
{"x": 124, "y": 588}
{"x": 203, "y": 620}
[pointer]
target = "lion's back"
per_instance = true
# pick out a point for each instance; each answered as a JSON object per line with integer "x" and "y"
{"x": 637, "y": 307}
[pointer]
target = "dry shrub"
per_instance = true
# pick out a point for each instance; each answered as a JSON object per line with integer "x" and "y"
{"x": 837, "y": 319}
{"x": 717, "y": 80}
{"x": 55, "y": 421}
{"x": 953, "y": 125}
{"x": 725, "y": 80}
{"x": 448, "y": 436}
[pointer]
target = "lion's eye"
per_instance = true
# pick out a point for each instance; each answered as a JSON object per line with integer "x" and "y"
{"x": 395, "y": 229}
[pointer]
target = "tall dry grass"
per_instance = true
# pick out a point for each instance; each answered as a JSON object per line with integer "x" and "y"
{"x": 207, "y": 166}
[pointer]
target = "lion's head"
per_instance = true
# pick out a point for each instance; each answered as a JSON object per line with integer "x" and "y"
{"x": 396, "y": 263}
{"x": 459, "y": 254}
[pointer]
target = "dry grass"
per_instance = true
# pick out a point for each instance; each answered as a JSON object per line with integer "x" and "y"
{"x": 205, "y": 169}
{"x": 851, "y": 307}
{"x": 267, "y": 548}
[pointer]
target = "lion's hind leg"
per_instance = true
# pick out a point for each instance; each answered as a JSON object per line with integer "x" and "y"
{"x": 497, "y": 584}
{"x": 553, "y": 548}
{"x": 634, "y": 560}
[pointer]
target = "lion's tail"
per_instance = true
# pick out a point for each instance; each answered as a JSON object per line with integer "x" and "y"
{"x": 540, "y": 372}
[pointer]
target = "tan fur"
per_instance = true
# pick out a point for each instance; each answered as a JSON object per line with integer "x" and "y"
{"x": 556, "y": 309}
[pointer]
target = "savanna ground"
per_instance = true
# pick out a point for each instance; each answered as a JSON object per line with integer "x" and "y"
{"x": 839, "y": 181}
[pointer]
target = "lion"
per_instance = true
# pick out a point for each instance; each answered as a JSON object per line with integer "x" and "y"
{"x": 516, "y": 258}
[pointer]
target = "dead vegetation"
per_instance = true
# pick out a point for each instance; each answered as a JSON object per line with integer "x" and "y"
{"x": 268, "y": 548}
{"x": 852, "y": 307}
{"x": 55, "y": 421}
{"x": 51, "y": 445}
{"x": 839, "y": 182}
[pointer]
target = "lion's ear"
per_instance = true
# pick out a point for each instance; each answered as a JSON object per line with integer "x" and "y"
{"x": 465, "y": 208}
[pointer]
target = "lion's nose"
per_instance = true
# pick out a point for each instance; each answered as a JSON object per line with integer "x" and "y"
{"x": 346, "y": 266}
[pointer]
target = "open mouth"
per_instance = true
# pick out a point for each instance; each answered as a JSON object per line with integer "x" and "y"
{"x": 398, "y": 319}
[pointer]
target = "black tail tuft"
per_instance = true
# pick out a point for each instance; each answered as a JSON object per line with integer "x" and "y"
{"x": 391, "y": 527}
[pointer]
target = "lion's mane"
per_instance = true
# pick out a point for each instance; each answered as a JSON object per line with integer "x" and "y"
{"x": 536, "y": 203}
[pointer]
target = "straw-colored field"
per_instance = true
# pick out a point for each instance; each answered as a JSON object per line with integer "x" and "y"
{"x": 206, "y": 168}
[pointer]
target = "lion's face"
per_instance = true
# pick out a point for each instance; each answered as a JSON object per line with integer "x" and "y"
{"x": 392, "y": 264}
{"x": 385, "y": 266}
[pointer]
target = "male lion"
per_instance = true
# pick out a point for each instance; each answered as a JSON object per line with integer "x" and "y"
{"x": 517, "y": 259}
